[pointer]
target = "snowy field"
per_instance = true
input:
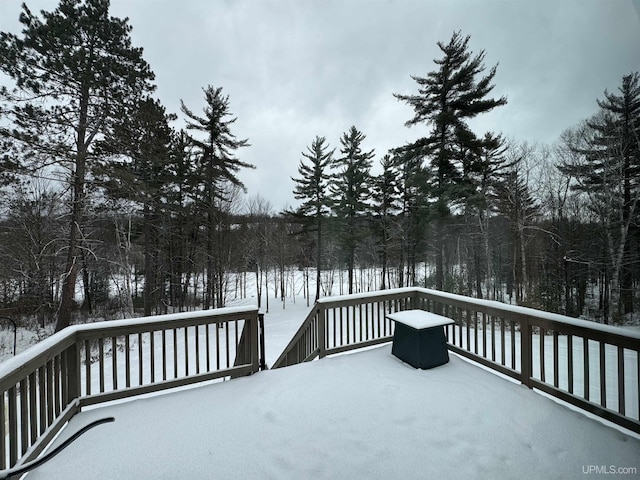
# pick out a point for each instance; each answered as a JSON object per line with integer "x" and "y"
{"x": 363, "y": 415}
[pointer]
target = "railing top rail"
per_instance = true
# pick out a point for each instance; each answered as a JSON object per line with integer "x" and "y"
{"x": 33, "y": 357}
{"x": 303, "y": 326}
{"x": 39, "y": 353}
{"x": 159, "y": 322}
{"x": 531, "y": 313}
{"x": 372, "y": 296}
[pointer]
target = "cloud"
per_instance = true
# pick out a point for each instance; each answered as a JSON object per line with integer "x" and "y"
{"x": 296, "y": 69}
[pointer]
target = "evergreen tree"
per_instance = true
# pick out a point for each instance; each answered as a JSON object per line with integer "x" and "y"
{"x": 216, "y": 168}
{"x": 385, "y": 197}
{"x": 184, "y": 226}
{"x": 608, "y": 171}
{"x": 351, "y": 190}
{"x": 141, "y": 174}
{"x": 447, "y": 98}
{"x": 482, "y": 202}
{"x": 312, "y": 187}
{"x": 415, "y": 213}
{"x": 75, "y": 71}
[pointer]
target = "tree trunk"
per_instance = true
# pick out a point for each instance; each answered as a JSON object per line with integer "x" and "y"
{"x": 318, "y": 263}
{"x": 67, "y": 300}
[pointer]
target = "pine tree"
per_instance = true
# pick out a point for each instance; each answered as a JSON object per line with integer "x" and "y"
{"x": 140, "y": 173}
{"x": 481, "y": 202}
{"x": 75, "y": 71}
{"x": 312, "y": 187}
{"x": 350, "y": 190}
{"x": 184, "y": 225}
{"x": 415, "y": 213}
{"x": 385, "y": 198}
{"x": 609, "y": 171}
{"x": 446, "y": 99}
{"x": 217, "y": 167}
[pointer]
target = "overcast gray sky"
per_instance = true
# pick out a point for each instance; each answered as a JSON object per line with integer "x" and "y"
{"x": 296, "y": 69}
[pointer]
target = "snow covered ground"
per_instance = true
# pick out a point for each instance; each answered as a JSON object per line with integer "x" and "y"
{"x": 361, "y": 415}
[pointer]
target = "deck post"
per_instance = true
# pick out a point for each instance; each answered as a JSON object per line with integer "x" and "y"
{"x": 525, "y": 351}
{"x": 322, "y": 341}
{"x": 72, "y": 360}
{"x": 263, "y": 363}
{"x": 252, "y": 331}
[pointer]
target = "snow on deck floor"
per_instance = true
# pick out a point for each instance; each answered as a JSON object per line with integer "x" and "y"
{"x": 364, "y": 415}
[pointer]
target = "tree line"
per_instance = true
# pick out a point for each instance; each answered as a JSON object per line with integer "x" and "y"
{"x": 102, "y": 193}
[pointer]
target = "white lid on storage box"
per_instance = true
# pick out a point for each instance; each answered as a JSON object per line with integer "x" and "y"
{"x": 420, "y": 319}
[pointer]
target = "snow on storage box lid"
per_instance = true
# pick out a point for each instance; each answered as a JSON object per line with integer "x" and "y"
{"x": 420, "y": 319}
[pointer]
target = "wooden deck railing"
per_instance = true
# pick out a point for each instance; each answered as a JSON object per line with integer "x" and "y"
{"x": 42, "y": 388}
{"x": 594, "y": 367}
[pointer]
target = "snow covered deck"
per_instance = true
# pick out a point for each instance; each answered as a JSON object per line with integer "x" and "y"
{"x": 362, "y": 415}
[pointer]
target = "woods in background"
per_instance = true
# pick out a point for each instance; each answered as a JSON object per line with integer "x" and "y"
{"x": 101, "y": 194}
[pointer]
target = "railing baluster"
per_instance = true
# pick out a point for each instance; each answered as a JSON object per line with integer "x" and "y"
{"x": 453, "y": 333}
{"x": 49, "y": 400}
{"x": 87, "y": 367}
{"x": 475, "y": 332}
{"x": 503, "y": 353}
{"x": 382, "y": 313}
{"x": 101, "y": 362}
{"x": 348, "y": 330}
{"x": 152, "y": 355}
{"x": 64, "y": 377}
{"x": 33, "y": 407}
{"x": 217, "y": 346}
{"x": 570, "y": 362}
{"x": 366, "y": 321}
{"x": 603, "y": 381}
{"x": 127, "y": 361}
{"x": 3, "y": 432}
{"x": 24, "y": 416}
{"x": 140, "y": 361}
{"x": 175, "y": 353}
{"x": 465, "y": 314}
{"x": 226, "y": 340}
{"x": 164, "y": 353}
{"x": 513, "y": 343}
{"x": 493, "y": 338}
{"x": 207, "y": 331}
{"x": 334, "y": 323}
{"x": 13, "y": 426}
{"x": 484, "y": 335}
{"x": 197, "y": 334}
{"x": 621, "y": 399}
{"x": 42, "y": 392}
{"x": 235, "y": 324}
{"x": 556, "y": 367}
{"x": 353, "y": 319}
{"x": 114, "y": 363}
{"x": 585, "y": 357}
{"x": 542, "y": 359}
{"x": 186, "y": 349}
{"x": 57, "y": 382}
